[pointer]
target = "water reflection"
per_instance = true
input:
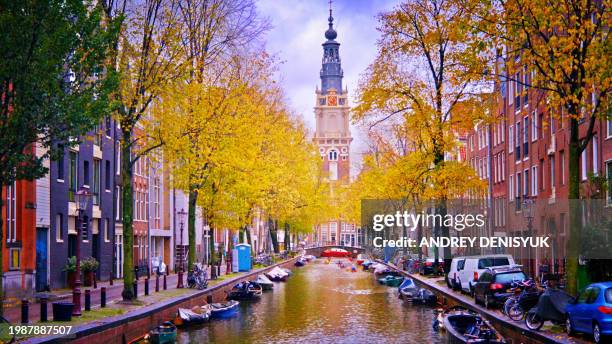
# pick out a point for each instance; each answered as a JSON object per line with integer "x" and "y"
{"x": 322, "y": 303}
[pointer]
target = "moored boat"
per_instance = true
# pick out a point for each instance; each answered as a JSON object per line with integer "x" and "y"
{"x": 300, "y": 262}
{"x": 245, "y": 291}
{"x": 468, "y": 327}
{"x": 264, "y": 282}
{"x": 277, "y": 275}
{"x": 335, "y": 252}
{"x": 163, "y": 334}
{"x": 360, "y": 259}
{"x": 196, "y": 315}
{"x": 224, "y": 309}
{"x": 391, "y": 281}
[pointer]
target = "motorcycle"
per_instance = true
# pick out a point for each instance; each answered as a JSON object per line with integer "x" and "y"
{"x": 550, "y": 307}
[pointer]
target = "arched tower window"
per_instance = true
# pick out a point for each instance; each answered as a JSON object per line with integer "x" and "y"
{"x": 333, "y": 155}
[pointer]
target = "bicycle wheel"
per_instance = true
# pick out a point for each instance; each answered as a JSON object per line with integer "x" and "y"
{"x": 508, "y": 304}
{"x": 533, "y": 321}
{"x": 516, "y": 312}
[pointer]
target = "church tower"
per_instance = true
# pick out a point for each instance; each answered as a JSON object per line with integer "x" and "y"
{"x": 332, "y": 135}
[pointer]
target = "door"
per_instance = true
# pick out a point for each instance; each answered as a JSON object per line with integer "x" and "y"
{"x": 580, "y": 308}
{"x": 41, "y": 259}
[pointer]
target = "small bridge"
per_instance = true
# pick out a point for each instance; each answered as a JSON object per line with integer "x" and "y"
{"x": 316, "y": 251}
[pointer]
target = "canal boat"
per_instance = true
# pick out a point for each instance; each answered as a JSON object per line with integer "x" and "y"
{"x": 300, "y": 262}
{"x": 287, "y": 271}
{"x": 163, "y": 334}
{"x": 277, "y": 275}
{"x": 310, "y": 257}
{"x": 391, "y": 281}
{"x": 245, "y": 291}
{"x": 361, "y": 258}
{"x": 463, "y": 326}
{"x": 366, "y": 265}
{"x": 264, "y": 282}
{"x": 336, "y": 253}
{"x": 196, "y": 315}
{"x": 224, "y": 309}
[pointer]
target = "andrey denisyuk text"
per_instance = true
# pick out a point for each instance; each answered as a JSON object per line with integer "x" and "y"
{"x": 482, "y": 242}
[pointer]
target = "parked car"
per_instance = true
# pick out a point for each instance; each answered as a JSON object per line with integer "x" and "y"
{"x": 428, "y": 268}
{"x": 492, "y": 288}
{"x": 591, "y": 313}
{"x": 474, "y": 266}
{"x": 452, "y": 280}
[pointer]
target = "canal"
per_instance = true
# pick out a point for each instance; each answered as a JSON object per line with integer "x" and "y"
{"x": 322, "y": 303}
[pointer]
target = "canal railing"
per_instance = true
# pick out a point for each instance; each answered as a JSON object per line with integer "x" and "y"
{"x": 514, "y": 332}
{"x": 133, "y": 325}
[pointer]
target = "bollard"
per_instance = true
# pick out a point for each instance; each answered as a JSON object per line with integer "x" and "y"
{"x": 179, "y": 281}
{"x": 25, "y": 311}
{"x": 157, "y": 283}
{"x": 146, "y": 286}
{"x": 209, "y": 299}
{"x": 87, "y": 300}
{"x": 165, "y": 284}
{"x": 43, "y": 309}
{"x": 103, "y": 297}
{"x": 136, "y": 289}
{"x": 95, "y": 282}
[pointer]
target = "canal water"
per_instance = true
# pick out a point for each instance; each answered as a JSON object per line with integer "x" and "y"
{"x": 322, "y": 303}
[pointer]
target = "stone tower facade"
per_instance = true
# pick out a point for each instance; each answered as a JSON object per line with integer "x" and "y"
{"x": 332, "y": 135}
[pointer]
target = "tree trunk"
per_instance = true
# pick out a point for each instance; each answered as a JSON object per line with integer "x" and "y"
{"x": 287, "y": 237}
{"x": 191, "y": 230}
{"x": 574, "y": 240}
{"x": 211, "y": 243}
{"x": 1, "y": 253}
{"x": 273, "y": 235}
{"x": 128, "y": 212}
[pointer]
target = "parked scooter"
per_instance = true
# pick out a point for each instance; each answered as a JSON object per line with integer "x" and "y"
{"x": 550, "y": 307}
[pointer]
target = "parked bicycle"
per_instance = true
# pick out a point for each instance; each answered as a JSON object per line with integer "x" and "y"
{"x": 524, "y": 301}
{"x": 197, "y": 278}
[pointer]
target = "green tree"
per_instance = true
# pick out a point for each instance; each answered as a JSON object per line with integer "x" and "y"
{"x": 53, "y": 86}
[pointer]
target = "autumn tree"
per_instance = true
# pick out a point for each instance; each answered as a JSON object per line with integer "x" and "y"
{"x": 564, "y": 46}
{"x": 428, "y": 62}
{"x": 146, "y": 57}
{"x": 53, "y": 86}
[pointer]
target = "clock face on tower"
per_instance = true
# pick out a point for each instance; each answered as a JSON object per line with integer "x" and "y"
{"x": 332, "y": 100}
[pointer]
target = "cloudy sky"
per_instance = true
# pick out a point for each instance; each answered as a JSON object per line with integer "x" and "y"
{"x": 296, "y": 38}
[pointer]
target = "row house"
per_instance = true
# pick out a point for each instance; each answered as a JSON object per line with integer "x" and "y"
{"x": 89, "y": 164}
{"x": 523, "y": 155}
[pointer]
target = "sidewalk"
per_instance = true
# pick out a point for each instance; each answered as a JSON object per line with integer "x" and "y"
{"x": 12, "y": 312}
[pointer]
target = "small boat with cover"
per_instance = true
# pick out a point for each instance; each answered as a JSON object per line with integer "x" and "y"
{"x": 195, "y": 315}
{"x": 224, "y": 309}
{"x": 264, "y": 282}
{"x": 163, "y": 334}
{"x": 246, "y": 290}
{"x": 463, "y": 326}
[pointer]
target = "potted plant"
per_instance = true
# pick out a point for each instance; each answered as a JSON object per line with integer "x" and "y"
{"x": 70, "y": 269}
{"x": 89, "y": 265}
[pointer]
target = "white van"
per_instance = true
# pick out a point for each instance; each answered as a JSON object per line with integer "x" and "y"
{"x": 474, "y": 266}
{"x": 452, "y": 279}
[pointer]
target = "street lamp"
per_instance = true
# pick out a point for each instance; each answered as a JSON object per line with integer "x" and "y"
{"x": 82, "y": 198}
{"x": 528, "y": 214}
{"x": 181, "y": 217}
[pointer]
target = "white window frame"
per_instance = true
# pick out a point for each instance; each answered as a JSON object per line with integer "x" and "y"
{"x": 59, "y": 227}
{"x": 511, "y": 188}
{"x": 534, "y": 180}
{"x": 551, "y": 162}
{"x": 595, "y": 156}
{"x": 534, "y": 127}
{"x": 511, "y": 139}
{"x": 583, "y": 165}
{"x": 11, "y": 212}
{"x": 107, "y": 230}
{"x": 608, "y": 171}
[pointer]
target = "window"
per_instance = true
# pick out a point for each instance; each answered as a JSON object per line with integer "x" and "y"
{"x": 97, "y": 135}
{"x": 534, "y": 180}
{"x": 59, "y": 227}
{"x": 96, "y": 181}
{"x": 11, "y": 212}
{"x": 526, "y": 183}
{"x": 72, "y": 175}
{"x": 333, "y": 155}
{"x": 518, "y": 89}
{"x": 517, "y": 140}
{"x": 526, "y": 136}
{"x": 107, "y": 176}
{"x": 610, "y": 128}
{"x": 85, "y": 172}
{"x": 551, "y": 161}
{"x": 609, "y": 183}
{"x": 14, "y": 258}
{"x": 108, "y": 126}
{"x": 540, "y": 125}
{"x": 156, "y": 205}
{"x": 595, "y": 156}
{"x": 503, "y": 166}
{"x": 511, "y": 139}
{"x": 518, "y": 190}
{"x": 107, "y": 230}
{"x": 541, "y": 174}
{"x": 534, "y": 127}
{"x": 117, "y": 203}
{"x": 118, "y": 162}
{"x": 496, "y": 166}
{"x": 60, "y": 164}
{"x": 562, "y": 166}
{"x": 511, "y": 188}
{"x": 583, "y": 165}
